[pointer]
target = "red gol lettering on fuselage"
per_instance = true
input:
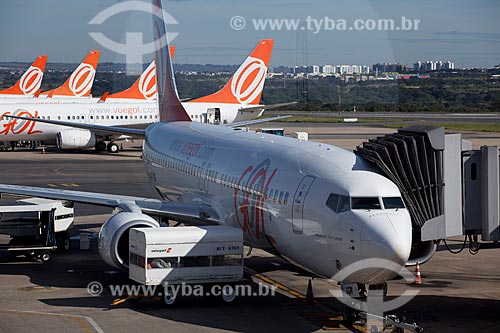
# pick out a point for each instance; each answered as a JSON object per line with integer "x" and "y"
{"x": 249, "y": 206}
{"x": 18, "y": 126}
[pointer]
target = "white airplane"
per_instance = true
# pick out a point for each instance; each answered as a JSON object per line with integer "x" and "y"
{"x": 320, "y": 207}
{"x": 28, "y": 85}
{"x": 237, "y": 101}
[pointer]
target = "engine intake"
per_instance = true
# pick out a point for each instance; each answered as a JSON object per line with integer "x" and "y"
{"x": 113, "y": 236}
{"x": 76, "y": 139}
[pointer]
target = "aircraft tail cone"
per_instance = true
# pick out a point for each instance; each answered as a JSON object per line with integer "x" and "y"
{"x": 418, "y": 276}
{"x": 309, "y": 293}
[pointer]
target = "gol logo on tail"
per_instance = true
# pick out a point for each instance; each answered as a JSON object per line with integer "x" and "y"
{"x": 248, "y": 81}
{"x": 81, "y": 80}
{"x": 18, "y": 126}
{"x": 147, "y": 82}
{"x": 31, "y": 80}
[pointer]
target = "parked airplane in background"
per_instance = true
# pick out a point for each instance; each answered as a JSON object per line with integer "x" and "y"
{"x": 80, "y": 82}
{"x": 237, "y": 101}
{"x": 143, "y": 89}
{"x": 29, "y": 84}
{"x": 75, "y": 89}
{"x": 320, "y": 207}
{"x": 115, "y": 114}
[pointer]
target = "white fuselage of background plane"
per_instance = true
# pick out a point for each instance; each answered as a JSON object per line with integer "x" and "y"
{"x": 137, "y": 115}
{"x": 275, "y": 189}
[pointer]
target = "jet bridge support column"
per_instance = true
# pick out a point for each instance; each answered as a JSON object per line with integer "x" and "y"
{"x": 490, "y": 194}
{"x": 482, "y": 193}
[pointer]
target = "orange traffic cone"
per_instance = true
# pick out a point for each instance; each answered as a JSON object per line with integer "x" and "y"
{"x": 418, "y": 276}
{"x": 309, "y": 293}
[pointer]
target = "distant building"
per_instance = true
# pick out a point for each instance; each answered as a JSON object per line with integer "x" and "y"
{"x": 328, "y": 70}
{"x": 430, "y": 66}
{"x": 356, "y": 69}
{"x": 300, "y": 70}
{"x": 315, "y": 70}
{"x": 345, "y": 69}
{"x": 283, "y": 69}
{"x": 417, "y": 66}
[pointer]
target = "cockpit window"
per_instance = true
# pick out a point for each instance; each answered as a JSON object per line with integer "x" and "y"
{"x": 338, "y": 203}
{"x": 333, "y": 202}
{"x": 365, "y": 203}
{"x": 393, "y": 203}
{"x": 344, "y": 204}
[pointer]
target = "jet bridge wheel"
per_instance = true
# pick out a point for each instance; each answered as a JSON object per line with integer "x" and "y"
{"x": 113, "y": 148}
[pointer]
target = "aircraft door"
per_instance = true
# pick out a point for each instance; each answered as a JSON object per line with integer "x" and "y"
{"x": 213, "y": 116}
{"x": 298, "y": 203}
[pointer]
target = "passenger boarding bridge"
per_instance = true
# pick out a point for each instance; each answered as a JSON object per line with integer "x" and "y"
{"x": 449, "y": 188}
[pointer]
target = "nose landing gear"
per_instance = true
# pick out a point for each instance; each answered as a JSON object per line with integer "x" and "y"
{"x": 357, "y": 309}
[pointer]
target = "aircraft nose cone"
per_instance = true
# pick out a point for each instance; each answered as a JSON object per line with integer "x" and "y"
{"x": 389, "y": 238}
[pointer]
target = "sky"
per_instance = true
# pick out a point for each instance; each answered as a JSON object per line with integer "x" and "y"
{"x": 466, "y": 32}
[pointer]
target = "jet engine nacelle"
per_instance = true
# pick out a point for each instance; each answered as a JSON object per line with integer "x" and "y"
{"x": 113, "y": 236}
{"x": 76, "y": 138}
{"x": 421, "y": 252}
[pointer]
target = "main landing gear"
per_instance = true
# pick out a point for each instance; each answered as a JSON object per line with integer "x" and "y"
{"x": 110, "y": 147}
{"x": 113, "y": 148}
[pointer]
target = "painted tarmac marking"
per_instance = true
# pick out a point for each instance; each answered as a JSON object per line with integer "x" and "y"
{"x": 94, "y": 327}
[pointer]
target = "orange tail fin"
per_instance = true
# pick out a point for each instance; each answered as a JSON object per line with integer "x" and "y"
{"x": 145, "y": 86}
{"x": 30, "y": 81}
{"x": 245, "y": 86}
{"x": 81, "y": 80}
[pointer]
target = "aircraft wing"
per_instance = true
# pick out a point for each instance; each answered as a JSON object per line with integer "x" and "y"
{"x": 98, "y": 129}
{"x": 255, "y": 121}
{"x": 193, "y": 214}
{"x": 265, "y": 107}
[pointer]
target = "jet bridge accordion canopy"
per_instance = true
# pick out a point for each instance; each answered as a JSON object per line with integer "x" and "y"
{"x": 413, "y": 160}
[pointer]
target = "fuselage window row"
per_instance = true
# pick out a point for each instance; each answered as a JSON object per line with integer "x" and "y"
{"x": 164, "y": 161}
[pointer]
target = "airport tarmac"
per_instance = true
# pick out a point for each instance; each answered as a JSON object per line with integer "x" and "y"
{"x": 461, "y": 293}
